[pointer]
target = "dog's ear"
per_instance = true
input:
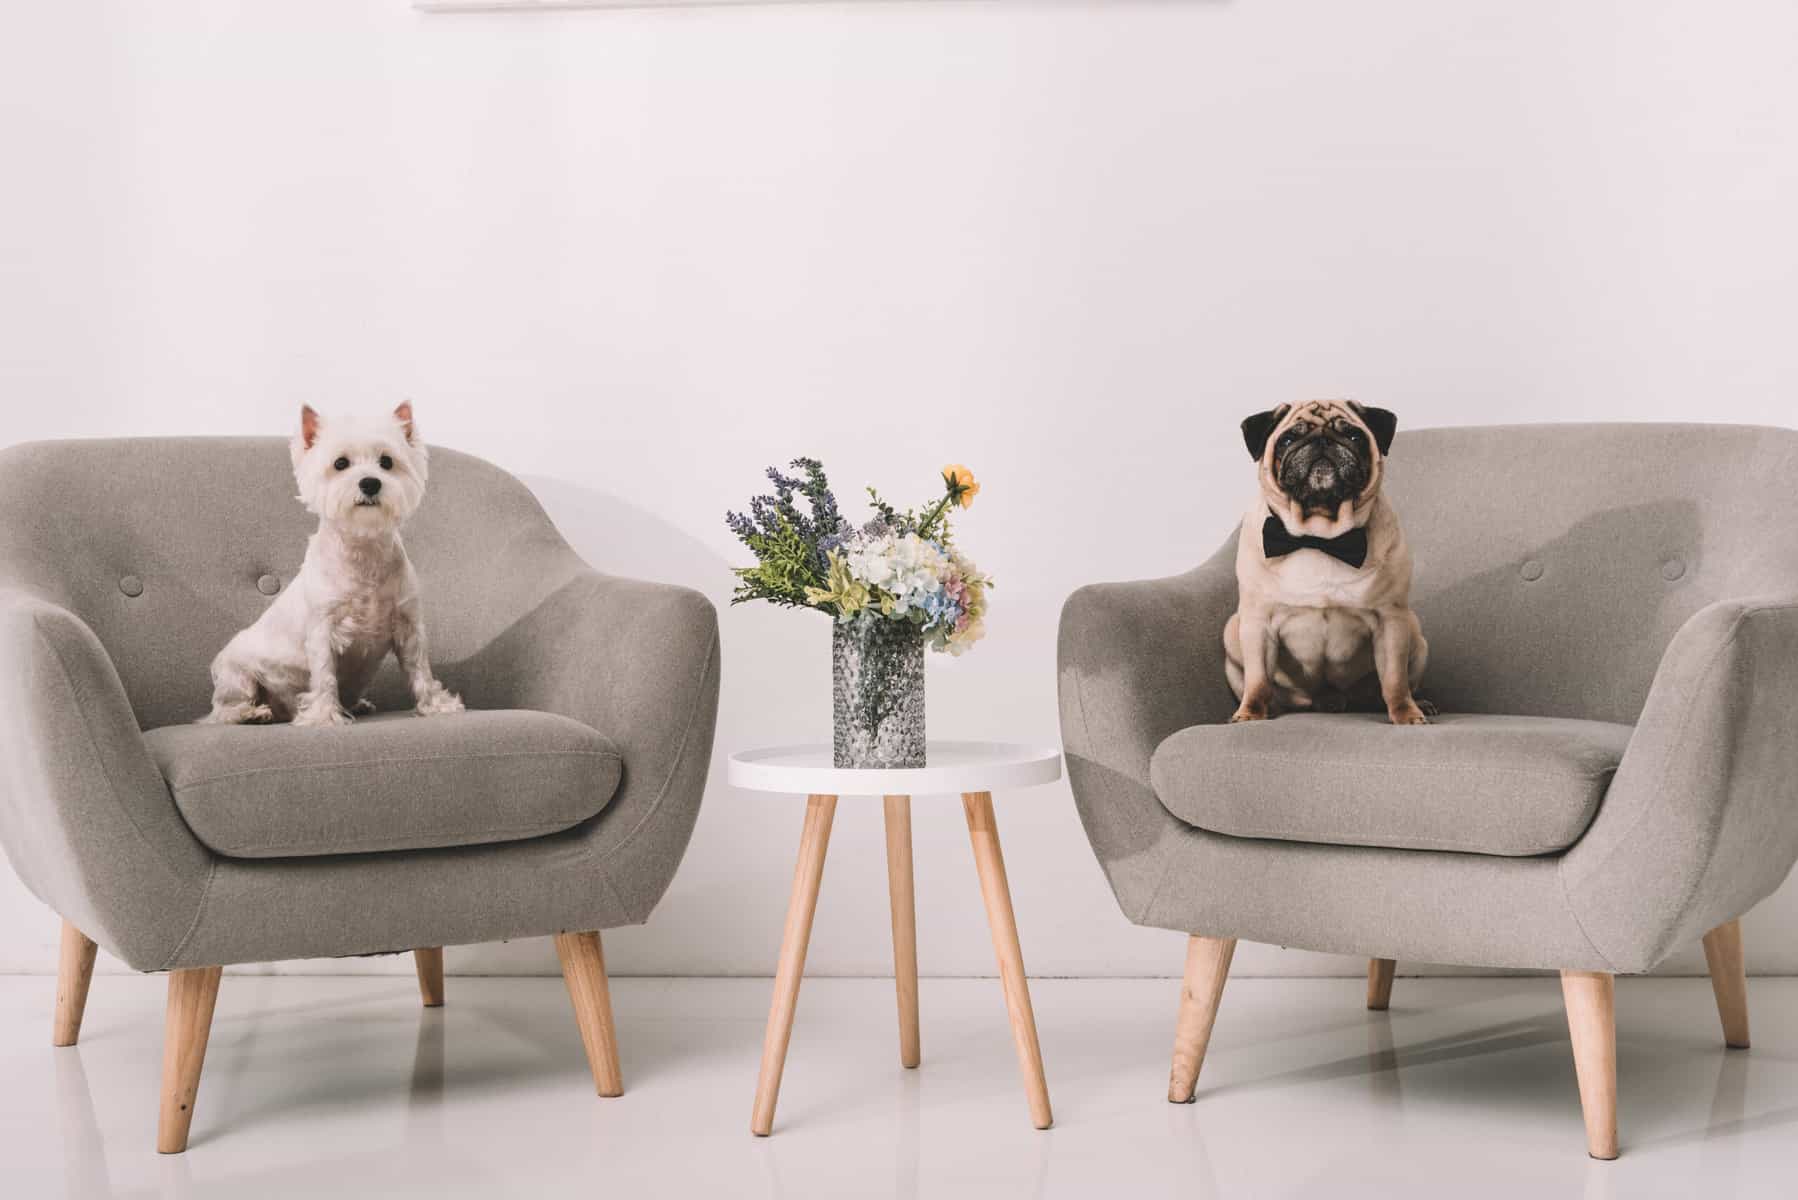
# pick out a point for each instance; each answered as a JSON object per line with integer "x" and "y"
{"x": 403, "y": 414}
{"x": 308, "y": 426}
{"x": 1258, "y": 428}
{"x": 1382, "y": 422}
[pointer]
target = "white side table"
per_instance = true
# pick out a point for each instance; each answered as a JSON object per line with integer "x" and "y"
{"x": 974, "y": 769}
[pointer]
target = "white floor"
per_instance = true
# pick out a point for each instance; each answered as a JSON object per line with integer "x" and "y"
{"x": 345, "y": 1087}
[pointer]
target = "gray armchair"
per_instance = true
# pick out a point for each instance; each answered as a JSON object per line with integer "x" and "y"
{"x": 560, "y": 804}
{"x": 1613, "y": 623}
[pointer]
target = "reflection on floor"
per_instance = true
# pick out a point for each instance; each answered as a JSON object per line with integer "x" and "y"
{"x": 345, "y": 1087}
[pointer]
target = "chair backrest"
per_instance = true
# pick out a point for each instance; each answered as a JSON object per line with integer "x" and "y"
{"x": 164, "y": 546}
{"x": 1554, "y": 563}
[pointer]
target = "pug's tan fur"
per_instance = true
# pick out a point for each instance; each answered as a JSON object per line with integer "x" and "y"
{"x": 1311, "y": 631}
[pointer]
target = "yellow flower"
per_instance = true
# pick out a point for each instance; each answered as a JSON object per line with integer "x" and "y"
{"x": 961, "y": 484}
{"x": 847, "y": 593}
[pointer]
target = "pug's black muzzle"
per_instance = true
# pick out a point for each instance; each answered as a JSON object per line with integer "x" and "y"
{"x": 1322, "y": 472}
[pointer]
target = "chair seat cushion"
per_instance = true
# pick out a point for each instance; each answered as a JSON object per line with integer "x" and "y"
{"x": 1472, "y": 783}
{"x": 386, "y": 782}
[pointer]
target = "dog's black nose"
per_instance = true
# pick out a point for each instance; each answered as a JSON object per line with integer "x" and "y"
{"x": 370, "y": 486}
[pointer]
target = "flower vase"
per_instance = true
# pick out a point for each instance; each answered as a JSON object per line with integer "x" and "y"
{"x": 878, "y": 677}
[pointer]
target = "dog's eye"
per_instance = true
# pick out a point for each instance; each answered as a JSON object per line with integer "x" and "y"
{"x": 342, "y": 464}
{"x": 1285, "y": 442}
{"x": 387, "y": 462}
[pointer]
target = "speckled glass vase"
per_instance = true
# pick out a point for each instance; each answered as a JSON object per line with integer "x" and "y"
{"x": 878, "y": 676}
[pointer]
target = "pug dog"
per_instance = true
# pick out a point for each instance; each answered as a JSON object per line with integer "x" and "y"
{"x": 1324, "y": 618}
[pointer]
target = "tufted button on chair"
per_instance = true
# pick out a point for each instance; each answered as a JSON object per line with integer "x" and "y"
{"x": 1612, "y": 613}
{"x": 560, "y": 804}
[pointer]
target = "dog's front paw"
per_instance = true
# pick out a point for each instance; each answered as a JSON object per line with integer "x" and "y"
{"x": 322, "y": 713}
{"x": 1410, "y": 714}
{"x": 1246, "y": 713}
{"x": 1426, "y": 707}
{"x": 438, "y": 702}
{"x": 238, "y": 714}
{"x": 363, "y": 707}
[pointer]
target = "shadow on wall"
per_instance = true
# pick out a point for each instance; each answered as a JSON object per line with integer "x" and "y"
{"x": 770, "y": 654}
{"x": 621, "y": 539}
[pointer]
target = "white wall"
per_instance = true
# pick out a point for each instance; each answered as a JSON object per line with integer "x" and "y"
{"x": 634, "y": 256}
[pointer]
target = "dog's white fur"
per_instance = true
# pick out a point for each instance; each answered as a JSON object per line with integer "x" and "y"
{"x": 311, "y": 656}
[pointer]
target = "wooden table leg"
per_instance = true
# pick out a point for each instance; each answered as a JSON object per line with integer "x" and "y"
{"x": 905, "y": 926}
{"x": 990, "y": 862}
{"x": 808, "y": 874}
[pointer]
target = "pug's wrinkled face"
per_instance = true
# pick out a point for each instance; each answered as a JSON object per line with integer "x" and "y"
{"x": 1321, "y": 461}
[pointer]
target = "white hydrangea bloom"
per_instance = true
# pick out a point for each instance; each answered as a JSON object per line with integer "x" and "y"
{"x": 906, "y": 567}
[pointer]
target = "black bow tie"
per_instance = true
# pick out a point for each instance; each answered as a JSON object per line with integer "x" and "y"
{"x": 1350, "y": 548}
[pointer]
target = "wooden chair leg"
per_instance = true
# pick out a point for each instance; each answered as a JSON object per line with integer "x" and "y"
{"x": 429, "y": 961}
{"x": 1379, "y": 983}
{"x": 74, "y": 971}
{"x": 1207, "y": 966}
{"x": 905, "y": 926}
{"x": 1590, "y": 997}
{"x": 584, "y": 970}
{"x": 192, "y": 994}
{"x": 1729, "y": 980}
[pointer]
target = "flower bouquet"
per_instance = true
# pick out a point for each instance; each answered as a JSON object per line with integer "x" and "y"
{"x": 893, "y": 587}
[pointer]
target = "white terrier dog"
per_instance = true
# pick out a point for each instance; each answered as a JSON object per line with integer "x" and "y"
{"x": 313, "y": 653}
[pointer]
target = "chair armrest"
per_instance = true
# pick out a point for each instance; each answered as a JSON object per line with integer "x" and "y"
{"x": 84, "y": 814}
{"x": 1701, "y": 820}
{"x": 1138, "y": 661}
{"x": 639, "y": 662}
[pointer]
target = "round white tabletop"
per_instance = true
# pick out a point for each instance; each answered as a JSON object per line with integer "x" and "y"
{"x": 953, "y": 767}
